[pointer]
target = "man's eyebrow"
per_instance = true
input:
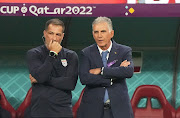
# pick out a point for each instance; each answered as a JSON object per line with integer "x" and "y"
{"x": 95, "y": 31}
{"x": 103, "y": 30}
{"x": 59, "y": 34}
{"x": 50, "y": 32}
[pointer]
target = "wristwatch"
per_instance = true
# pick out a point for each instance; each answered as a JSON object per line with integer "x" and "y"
{"x": 52, "y": 54}
{"x": 102, "y": 70}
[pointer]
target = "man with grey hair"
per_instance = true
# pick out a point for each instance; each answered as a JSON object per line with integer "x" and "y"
{"x": 53, "y": 74}
{"x": 104, "y": 67}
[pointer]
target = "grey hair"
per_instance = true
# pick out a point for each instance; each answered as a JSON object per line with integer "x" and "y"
{"x": 103, "y": 19}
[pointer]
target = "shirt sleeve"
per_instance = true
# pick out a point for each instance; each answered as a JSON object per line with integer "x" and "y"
{"x": 41, "y": 71}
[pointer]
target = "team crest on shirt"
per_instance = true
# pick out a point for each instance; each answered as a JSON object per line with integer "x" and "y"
{"x": 64, "y": 62}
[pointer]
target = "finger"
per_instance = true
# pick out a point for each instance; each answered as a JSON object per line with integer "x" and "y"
{"x": 34, "y": 81}
{"x": 31, "y": 81}
{"x": 127, "y": 65}
{"x": 91, "y": 71}
{"x": 128, "y": 62}
{"x": 30, "y": 78}
{"x": 50, "y": 43}
{"x": 57, "y": 43}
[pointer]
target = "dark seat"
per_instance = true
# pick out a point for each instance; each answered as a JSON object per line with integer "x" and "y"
{"x": 149, "y": 92}
{"x": 6, "y": 105}
{"x": 24, "y": 105}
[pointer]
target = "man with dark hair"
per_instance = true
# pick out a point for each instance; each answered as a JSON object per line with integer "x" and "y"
{"x": 53, "y": 74}
{"x": 104, "y": 67}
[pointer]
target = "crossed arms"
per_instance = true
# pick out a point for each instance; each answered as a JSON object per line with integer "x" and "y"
{"x": 92, "y": 77}
{"x": 40, "y": 72}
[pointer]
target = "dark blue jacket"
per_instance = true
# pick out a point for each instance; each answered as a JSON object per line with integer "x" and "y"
{"x": 92, "y": 101}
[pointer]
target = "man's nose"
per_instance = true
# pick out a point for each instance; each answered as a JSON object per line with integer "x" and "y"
{"x": 54, "y": 38}
{"x": 99, "y": 34}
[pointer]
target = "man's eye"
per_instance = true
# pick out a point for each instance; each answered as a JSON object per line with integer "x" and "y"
{"x": 58, "y": 34}
{"x": 50, "y": 32}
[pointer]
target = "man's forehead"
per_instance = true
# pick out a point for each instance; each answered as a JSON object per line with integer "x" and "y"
{"x": 55, "y": 28}
{"x": 100, "y": 30}
{"x": 54, "y": 31}
{"x": 103, "y": 25}
{"x": 54, "y": 25}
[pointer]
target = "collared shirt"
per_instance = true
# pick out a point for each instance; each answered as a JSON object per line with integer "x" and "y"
{"x": 100, "y": 51}
{"x": 109, "y": 49}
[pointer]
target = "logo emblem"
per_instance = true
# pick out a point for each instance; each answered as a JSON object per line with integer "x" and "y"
{"x": 64, "y": 62}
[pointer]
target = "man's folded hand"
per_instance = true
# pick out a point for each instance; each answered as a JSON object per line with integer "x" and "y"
{"x": 95, "y": 71}
{"x": 125, "y": 63}
{"x": 32, "y": 79}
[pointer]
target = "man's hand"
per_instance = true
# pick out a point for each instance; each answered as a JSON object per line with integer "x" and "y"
{"x": 32, "y": 79}
{"x": 54, "y": 46}
{"x": 95, "y": 71}
{"x": 125, "y": 63}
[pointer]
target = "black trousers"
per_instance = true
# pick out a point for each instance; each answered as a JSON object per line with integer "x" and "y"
{"x": 4, "y": 113}
{"x": 107, "y": 113}
{"x": 52, "y": 117}
{"x": 27, "y": 114}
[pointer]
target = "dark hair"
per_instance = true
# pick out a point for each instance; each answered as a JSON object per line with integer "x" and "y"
{"x": 54, "y": 22}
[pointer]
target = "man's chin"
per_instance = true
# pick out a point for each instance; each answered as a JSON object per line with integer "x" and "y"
{"x": 100, "y": 44}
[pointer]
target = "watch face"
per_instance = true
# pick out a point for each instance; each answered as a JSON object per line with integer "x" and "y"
{"x": 52, "y": 54}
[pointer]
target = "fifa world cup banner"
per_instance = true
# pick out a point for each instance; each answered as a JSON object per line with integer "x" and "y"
{"x": 94, "y": 1}
{"x": 90, "y": 8}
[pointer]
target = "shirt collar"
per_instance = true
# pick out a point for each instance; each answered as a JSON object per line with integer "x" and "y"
{"x": 109, "y": 49}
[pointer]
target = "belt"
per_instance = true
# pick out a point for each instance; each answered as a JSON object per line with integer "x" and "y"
{"x": 107, "y": 105}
